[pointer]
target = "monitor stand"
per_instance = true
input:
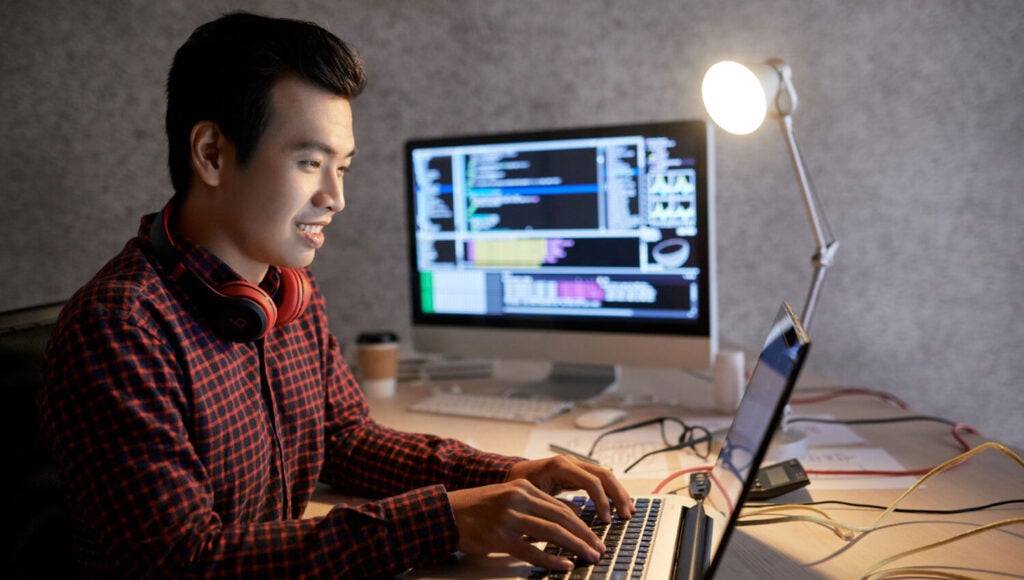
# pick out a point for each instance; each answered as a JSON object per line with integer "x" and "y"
{"x": 570, "y": 382}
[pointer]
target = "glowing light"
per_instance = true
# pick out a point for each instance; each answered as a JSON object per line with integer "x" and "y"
{"x": 734, "y": 97}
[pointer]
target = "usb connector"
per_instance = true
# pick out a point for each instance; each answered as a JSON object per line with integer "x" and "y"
{"x": 700, "y": 485}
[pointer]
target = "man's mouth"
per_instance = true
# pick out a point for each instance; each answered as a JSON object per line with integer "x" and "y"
{"x": 313, "y": 234}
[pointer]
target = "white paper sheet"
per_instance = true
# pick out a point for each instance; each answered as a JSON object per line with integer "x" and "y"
{"x": 854, "y": 459}
{"x": 827, "y": 433}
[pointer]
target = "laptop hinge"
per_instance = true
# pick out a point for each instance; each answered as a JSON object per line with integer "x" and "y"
{"x": 693, "y": 544}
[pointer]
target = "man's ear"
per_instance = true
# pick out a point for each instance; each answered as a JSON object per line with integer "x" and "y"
{"x": 208, "y": 154}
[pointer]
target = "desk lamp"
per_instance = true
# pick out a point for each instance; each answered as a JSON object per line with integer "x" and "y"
{"x": 738, "y": 97}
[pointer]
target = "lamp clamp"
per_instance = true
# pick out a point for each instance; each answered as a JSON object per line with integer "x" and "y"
{"x": 785, "y": 97}
{"x": 824, "y": 257}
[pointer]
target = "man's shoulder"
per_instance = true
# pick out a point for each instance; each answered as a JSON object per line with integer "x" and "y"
{"x": 126, "y": 287}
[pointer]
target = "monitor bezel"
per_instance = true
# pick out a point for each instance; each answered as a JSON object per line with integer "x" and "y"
{"x": 679, "y": 344}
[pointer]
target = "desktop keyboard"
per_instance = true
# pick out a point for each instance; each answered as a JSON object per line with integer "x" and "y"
{"x": 491, "y": 407}
{"x": 628, "y": 543}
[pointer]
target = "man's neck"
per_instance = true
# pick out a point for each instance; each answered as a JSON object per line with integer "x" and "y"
{"x": 199, "y": 220}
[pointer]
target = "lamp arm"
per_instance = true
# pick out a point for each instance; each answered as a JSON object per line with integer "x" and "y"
{"x": 825, "y": 243}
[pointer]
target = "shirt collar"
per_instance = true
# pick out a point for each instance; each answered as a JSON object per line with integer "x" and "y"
{"x": 203, "y": 263}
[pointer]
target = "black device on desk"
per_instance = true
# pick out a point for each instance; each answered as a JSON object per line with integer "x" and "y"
{"x": 775, "y": 480}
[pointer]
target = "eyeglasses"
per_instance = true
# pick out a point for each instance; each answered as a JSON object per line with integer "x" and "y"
{"x": 695, "y": 437}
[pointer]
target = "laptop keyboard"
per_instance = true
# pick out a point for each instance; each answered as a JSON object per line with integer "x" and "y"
{"x": 628, "y": 543}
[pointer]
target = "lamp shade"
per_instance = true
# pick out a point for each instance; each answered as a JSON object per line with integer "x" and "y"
{"x": 738, "y": 96}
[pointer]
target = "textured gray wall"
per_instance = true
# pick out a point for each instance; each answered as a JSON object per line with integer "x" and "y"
{"x": 911, "y": 120}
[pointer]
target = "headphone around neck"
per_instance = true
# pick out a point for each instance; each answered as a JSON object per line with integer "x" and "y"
{"x": 239, "y": 311}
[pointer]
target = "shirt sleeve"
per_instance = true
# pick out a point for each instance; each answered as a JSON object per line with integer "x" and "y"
{"x": 366, "y": 459}
{"x": 116, "y": 416}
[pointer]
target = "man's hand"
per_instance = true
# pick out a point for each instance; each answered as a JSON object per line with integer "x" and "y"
{"x": 507, "y": 517}
{"x": 562, "y": 473}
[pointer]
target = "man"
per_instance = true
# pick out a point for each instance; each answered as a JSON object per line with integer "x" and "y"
{"x": 194, "y": 395}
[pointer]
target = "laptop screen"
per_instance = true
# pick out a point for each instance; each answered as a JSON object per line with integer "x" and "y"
{"x": 756, "y": 420}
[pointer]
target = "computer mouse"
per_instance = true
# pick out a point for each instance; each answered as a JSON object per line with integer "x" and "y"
{"x": 599, "y": 418}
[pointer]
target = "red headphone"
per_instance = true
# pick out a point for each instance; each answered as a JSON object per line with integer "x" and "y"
{"x": 238, "y": 310}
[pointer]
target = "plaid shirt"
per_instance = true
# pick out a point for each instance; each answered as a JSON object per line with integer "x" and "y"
{"x": 187, "y": 455}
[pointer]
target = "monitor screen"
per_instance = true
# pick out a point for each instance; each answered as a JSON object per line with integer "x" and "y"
{"x": 586, "y": 245}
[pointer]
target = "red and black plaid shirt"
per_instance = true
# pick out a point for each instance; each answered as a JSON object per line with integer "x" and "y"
{"x": 184, "y": 454}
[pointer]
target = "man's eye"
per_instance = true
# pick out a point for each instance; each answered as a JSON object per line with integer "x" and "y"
{"x": 310, "y": 164}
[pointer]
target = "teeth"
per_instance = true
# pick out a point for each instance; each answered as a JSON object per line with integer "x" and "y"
{"x": 311, "y": 229}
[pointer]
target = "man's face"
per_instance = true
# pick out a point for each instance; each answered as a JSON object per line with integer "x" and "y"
{"x": 273, "y": 210}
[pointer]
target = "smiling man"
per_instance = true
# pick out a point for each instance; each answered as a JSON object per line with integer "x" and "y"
{"x": 194, "y": 394}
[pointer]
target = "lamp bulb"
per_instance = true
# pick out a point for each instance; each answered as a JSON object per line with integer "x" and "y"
{"x": 734, "y": 97}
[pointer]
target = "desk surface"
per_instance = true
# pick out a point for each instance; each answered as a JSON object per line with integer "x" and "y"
{"x": 798, "y": 549}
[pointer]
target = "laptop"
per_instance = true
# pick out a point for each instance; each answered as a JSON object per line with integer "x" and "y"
{"x": 690, "y": 536}
{"x": 676, "y": 536}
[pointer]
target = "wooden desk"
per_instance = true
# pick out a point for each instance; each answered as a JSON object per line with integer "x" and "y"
{"x": 792, "y": 550}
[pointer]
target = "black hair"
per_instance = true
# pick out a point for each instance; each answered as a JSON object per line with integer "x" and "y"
{"x": 225, "y": 73}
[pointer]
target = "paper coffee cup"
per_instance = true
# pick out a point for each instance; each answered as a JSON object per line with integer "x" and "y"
{"x": 729, "y": 380}
{"x": 377, "y": 355}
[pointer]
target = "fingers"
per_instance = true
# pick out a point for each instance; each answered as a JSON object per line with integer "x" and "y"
{"x": 601, "y": 485}
{"x": 569, "y": 540}
{"x": 607, "y": 487}
{"x": 595, "y": 489}
{"x": 553, "y": 521}
{"x": 562, "y": 472}
{"x": 497, "y": 518}
{"x": 532, "y": 554}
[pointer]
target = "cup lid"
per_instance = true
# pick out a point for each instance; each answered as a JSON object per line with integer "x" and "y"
{"x": 376, "y": 337}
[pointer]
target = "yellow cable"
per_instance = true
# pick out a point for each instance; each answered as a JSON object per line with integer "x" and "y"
{"x": 836, "y": 525}
{"x": 943, "y": 467}
{"x": 842, "y": 530}
{"x": 920, "y": 573}
{"x": 954, "y": 538}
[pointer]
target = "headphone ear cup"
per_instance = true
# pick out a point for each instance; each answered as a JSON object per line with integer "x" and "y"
{"x": 246, "y": 312}
{"x": 292, "y": 296}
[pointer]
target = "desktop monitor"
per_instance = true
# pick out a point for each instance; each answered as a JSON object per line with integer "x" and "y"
{"x": 588, "y": 247}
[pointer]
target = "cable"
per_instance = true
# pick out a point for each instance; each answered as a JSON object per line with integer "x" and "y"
{"x": 957, "y": 427}
{"x": 847, "y": 391}
{"x": 661, "y": 485}
{"x": 846, "y": 531}
{"x": 965, "y": 428}
{"x": 876, "y": 472}
{"x": 878, "y": 421}
{"x": 901, "y": 510}
{"x": 680, "y": 473}
{"x": 870, "y": 572}
{"x": 918, "y": 573}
